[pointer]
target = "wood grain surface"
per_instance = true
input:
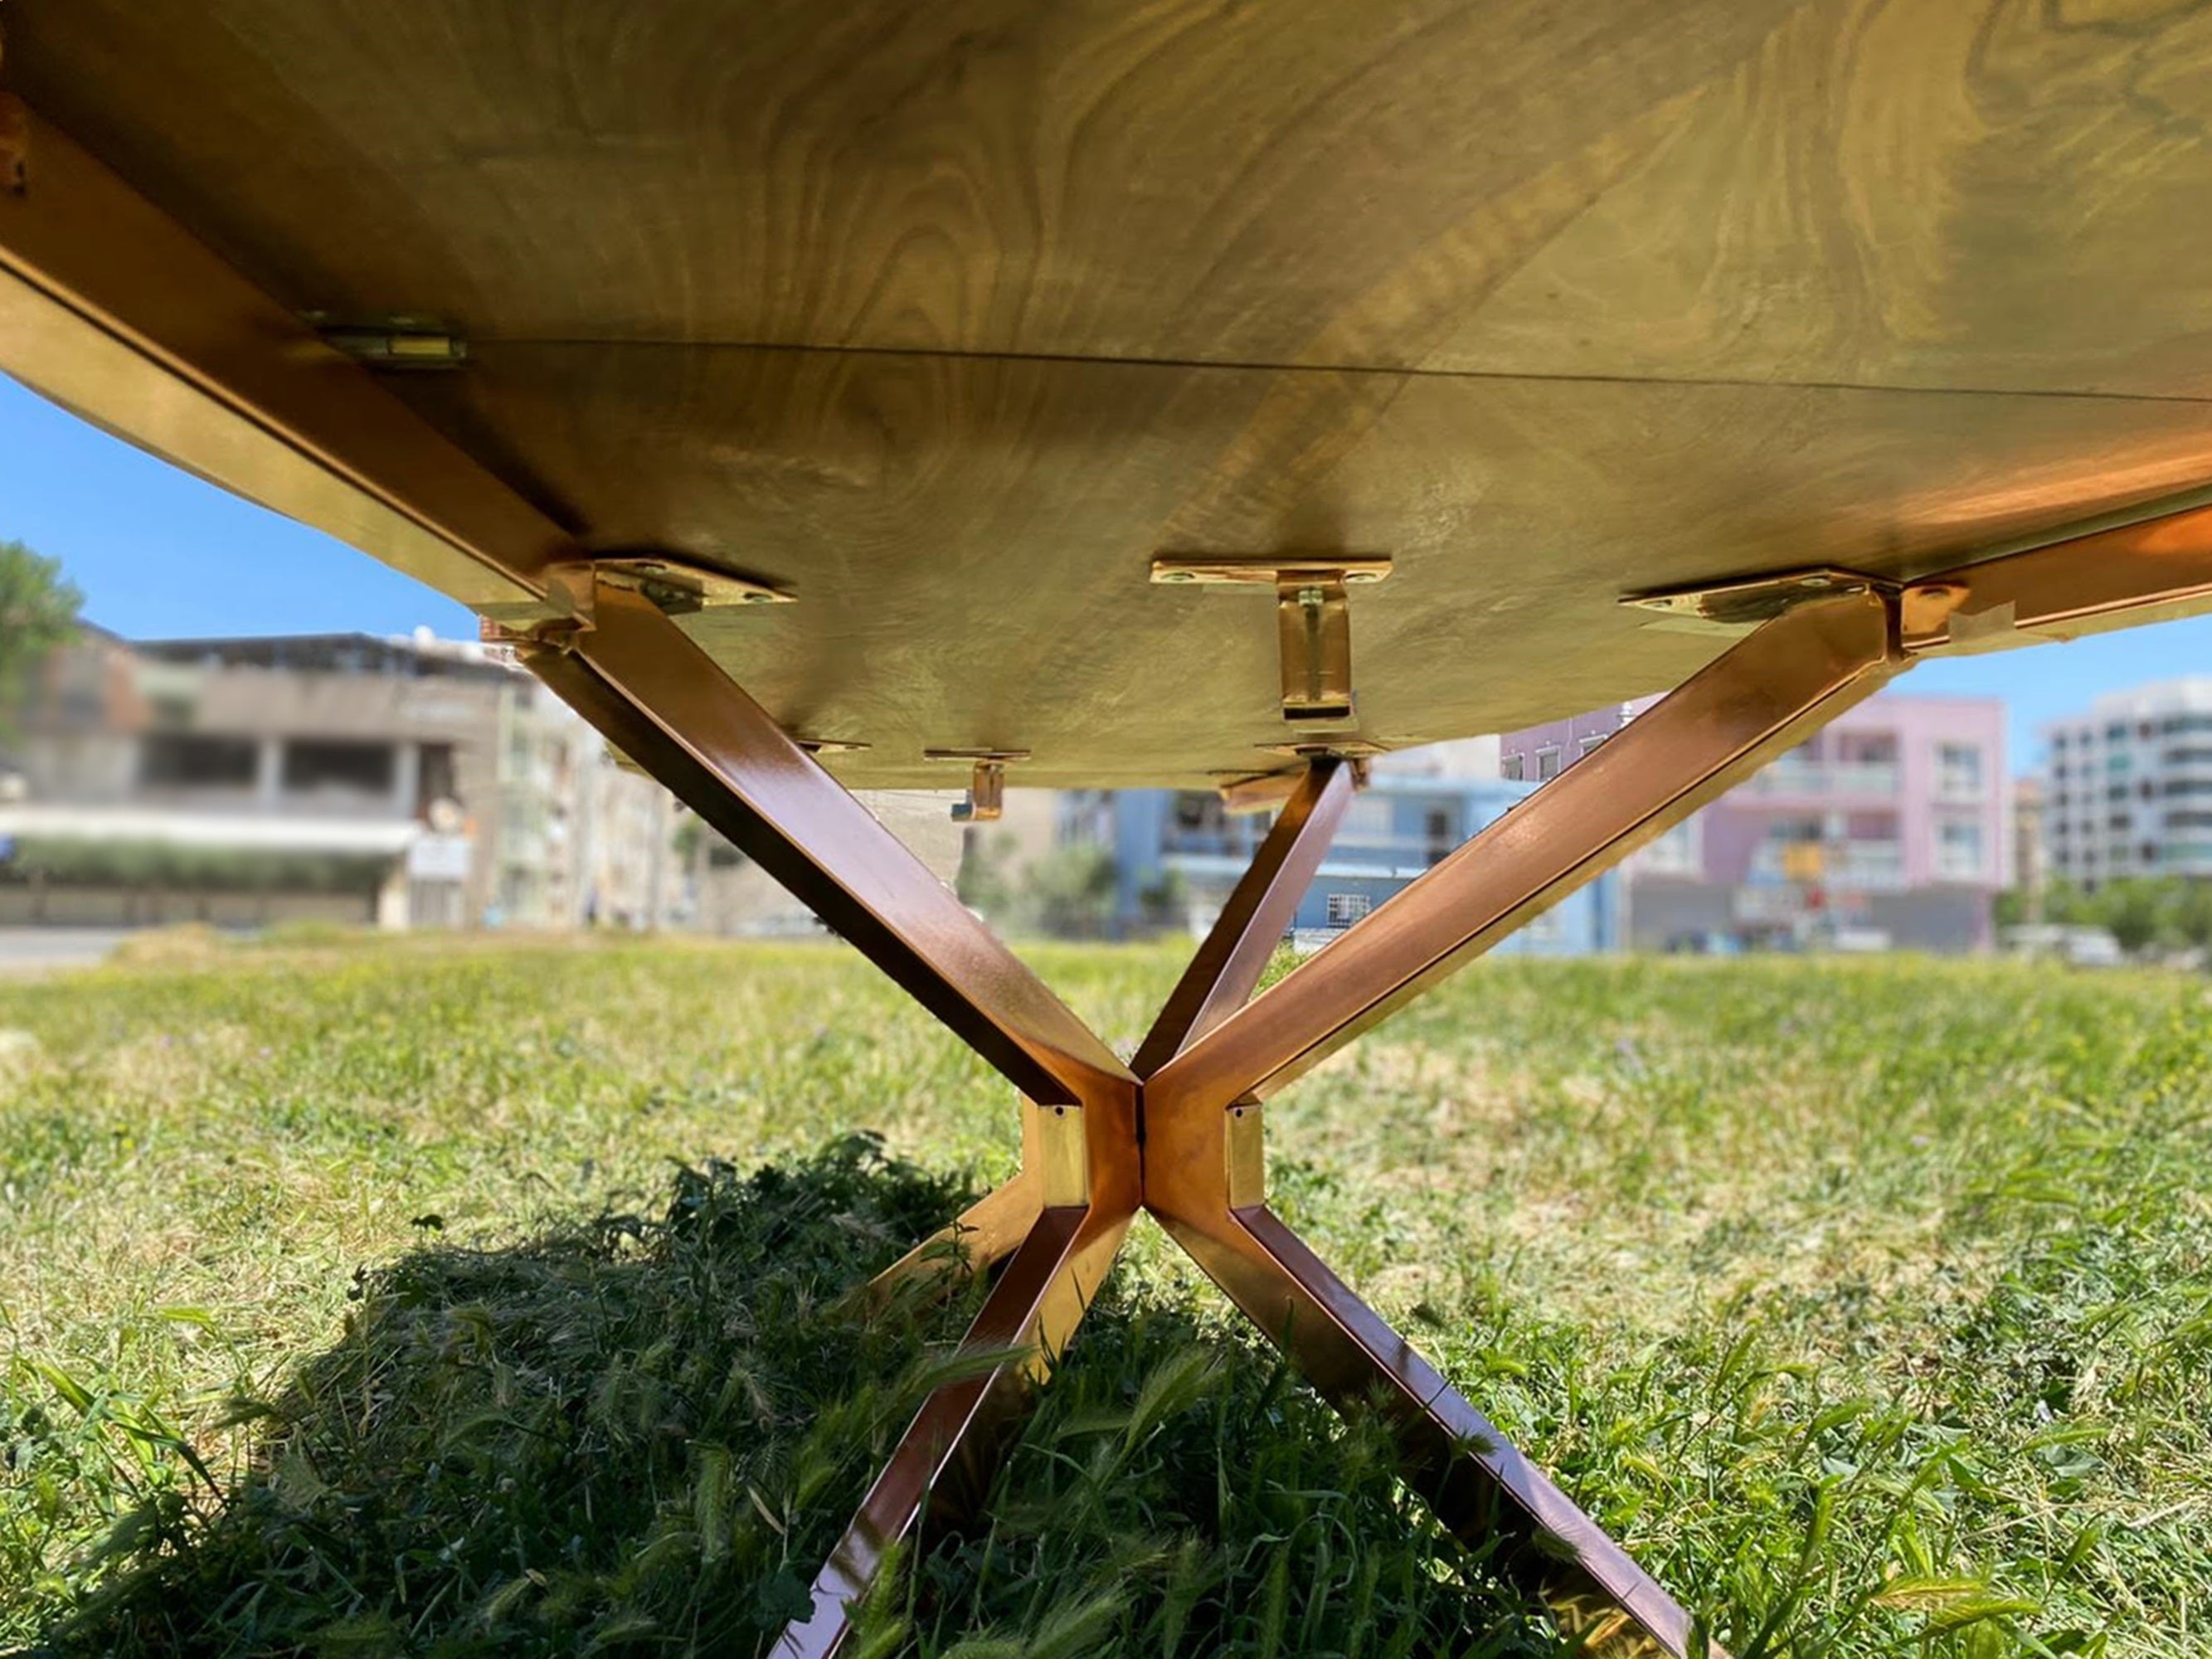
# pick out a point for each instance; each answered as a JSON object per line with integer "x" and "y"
{"x": 951, "y": 315}
{"x": 1925, "y": 192}
{"x": 970, "y": 538}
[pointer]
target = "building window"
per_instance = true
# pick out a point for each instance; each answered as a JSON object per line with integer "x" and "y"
{"x": 1437, "y": 823}
{"x": 1959, "y": 850}
{"x": 1345, "y": 908}
{"x": 364, "y": 769}
{"x": 435, "y": 775}
{"x": 193, "y": 760}
{"x": 1196, "y": 810}
{"x": 1548, "y": 764}
{"x": 1513, "y": 767}
{"x": 1589, "y": 744}
{"x": 1959, "y": 771}
{"x": 1677, "y": 853}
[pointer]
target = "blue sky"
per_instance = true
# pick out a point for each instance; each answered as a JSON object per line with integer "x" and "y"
{"x": 158, "y": 553}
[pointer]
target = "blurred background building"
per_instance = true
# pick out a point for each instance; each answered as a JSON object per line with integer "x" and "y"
{"x": 2128, "y": 785}
{"x": 1175, "y": 855}
{"x": 1890, "y": 828}
{"x": 414, "y": 782}
{"x": 420, "y": 782}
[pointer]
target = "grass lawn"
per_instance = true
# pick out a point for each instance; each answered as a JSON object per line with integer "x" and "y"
{"x": 395, "y": 1297}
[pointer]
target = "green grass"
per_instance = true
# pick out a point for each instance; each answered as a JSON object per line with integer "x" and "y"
{"x": 390, "y": 1298}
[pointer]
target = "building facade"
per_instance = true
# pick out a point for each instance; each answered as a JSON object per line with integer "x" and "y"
{"x": 1177, "y": 853}
{"x": 1891, "y": 827}
{"x": 2128, "y": 785}
{"x": 413, "y": 783}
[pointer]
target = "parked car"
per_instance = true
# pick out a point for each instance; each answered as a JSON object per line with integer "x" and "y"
{"x": 2076, "y": 946}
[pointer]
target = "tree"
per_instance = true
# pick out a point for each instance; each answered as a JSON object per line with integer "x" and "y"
{"x": 985, "y": 881}
{"x": 2143, "y": 913}
{"x": 1073, "y": 889}
{"x": 38, "y": 613}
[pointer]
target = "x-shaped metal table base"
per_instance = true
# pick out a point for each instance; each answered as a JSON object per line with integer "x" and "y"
{"x": 1178, "y": 1131}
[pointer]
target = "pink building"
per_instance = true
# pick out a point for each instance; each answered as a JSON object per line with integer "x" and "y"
{"x": 1891, "y": 826}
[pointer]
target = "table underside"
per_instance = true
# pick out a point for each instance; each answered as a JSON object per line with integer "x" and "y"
{"x": 948, "y": 319}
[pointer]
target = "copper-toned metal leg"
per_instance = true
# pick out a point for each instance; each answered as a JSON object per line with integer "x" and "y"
{"x": 661, "y": 700}
{"x": 1204, "y": 1169}
{"x": 1032, "y": 1311}
{"x": 1225, "y": 970}
{"x": 1481, "y": 1487}
{"x": 1773, "y": 688}
{"x": 986, "y": 1233}
{"x": 1055, "y": 1171}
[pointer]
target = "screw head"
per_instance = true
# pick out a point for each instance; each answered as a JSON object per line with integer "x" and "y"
{"x": 1177, "y": 576}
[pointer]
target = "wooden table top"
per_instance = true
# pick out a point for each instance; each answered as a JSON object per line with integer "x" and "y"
{"x": 948, "y": 318}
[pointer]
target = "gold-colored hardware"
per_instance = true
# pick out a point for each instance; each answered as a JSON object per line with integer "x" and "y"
{"x": 1053, "y": 1145}
{"x": 1329, "y": 746}
{"x": 829, "y": 745}
{"x": 1247, "y": 1158}
{"x": 1733, "y": 608}
{"x": 987, "y": 780}
{"x": 1313, "y": 622}
{"x": 1357, "y": 569}
{"x": 1925, "y": 609}
{"x": 681, "y": 585}
{"x": 1257, "y": 792}
{"x": 1313, "y": 627}
{"x": 393, "y": 342}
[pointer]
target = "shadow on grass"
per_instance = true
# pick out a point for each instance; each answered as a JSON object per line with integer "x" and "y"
{"x": 640, "y": 1434}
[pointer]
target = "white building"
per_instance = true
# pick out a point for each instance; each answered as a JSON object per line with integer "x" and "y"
{"x": 2128, "y": 784}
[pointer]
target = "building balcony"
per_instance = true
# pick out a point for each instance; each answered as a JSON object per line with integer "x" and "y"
{"x": 1387, "y": 854}
{"x": 1208, "y": 843}
{"x": 1867, "y": 866}
{"x": 1827, "y": 780}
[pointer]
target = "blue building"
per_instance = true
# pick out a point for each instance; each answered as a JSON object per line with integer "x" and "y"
{"x": 1177, "y": 853}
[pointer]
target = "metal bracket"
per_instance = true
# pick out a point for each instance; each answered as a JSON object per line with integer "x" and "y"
{"x": 676, "y": 587}
{"x": 1256, "y": 792}
{"x": 401, "y": 345}
{"x": 1053, "y": 1145}
{"x": 987, "y": 780}
{"x": 681, "y": 585}
{"x": 1732, "y": 609}
{"x": 1313, "y": 622}
{"x": 1245, "y": 1144}
{"x": 1357, "y": 753}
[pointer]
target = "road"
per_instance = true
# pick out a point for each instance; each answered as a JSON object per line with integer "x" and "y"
{"x": 28, "y": 953}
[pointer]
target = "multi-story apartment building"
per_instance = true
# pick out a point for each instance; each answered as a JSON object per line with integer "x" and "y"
{"x": 1416, "y": 809}
{"x": 410, "y": 782}
{"x": 1889, "y": 826}
{"x": 2128, "y": 784}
